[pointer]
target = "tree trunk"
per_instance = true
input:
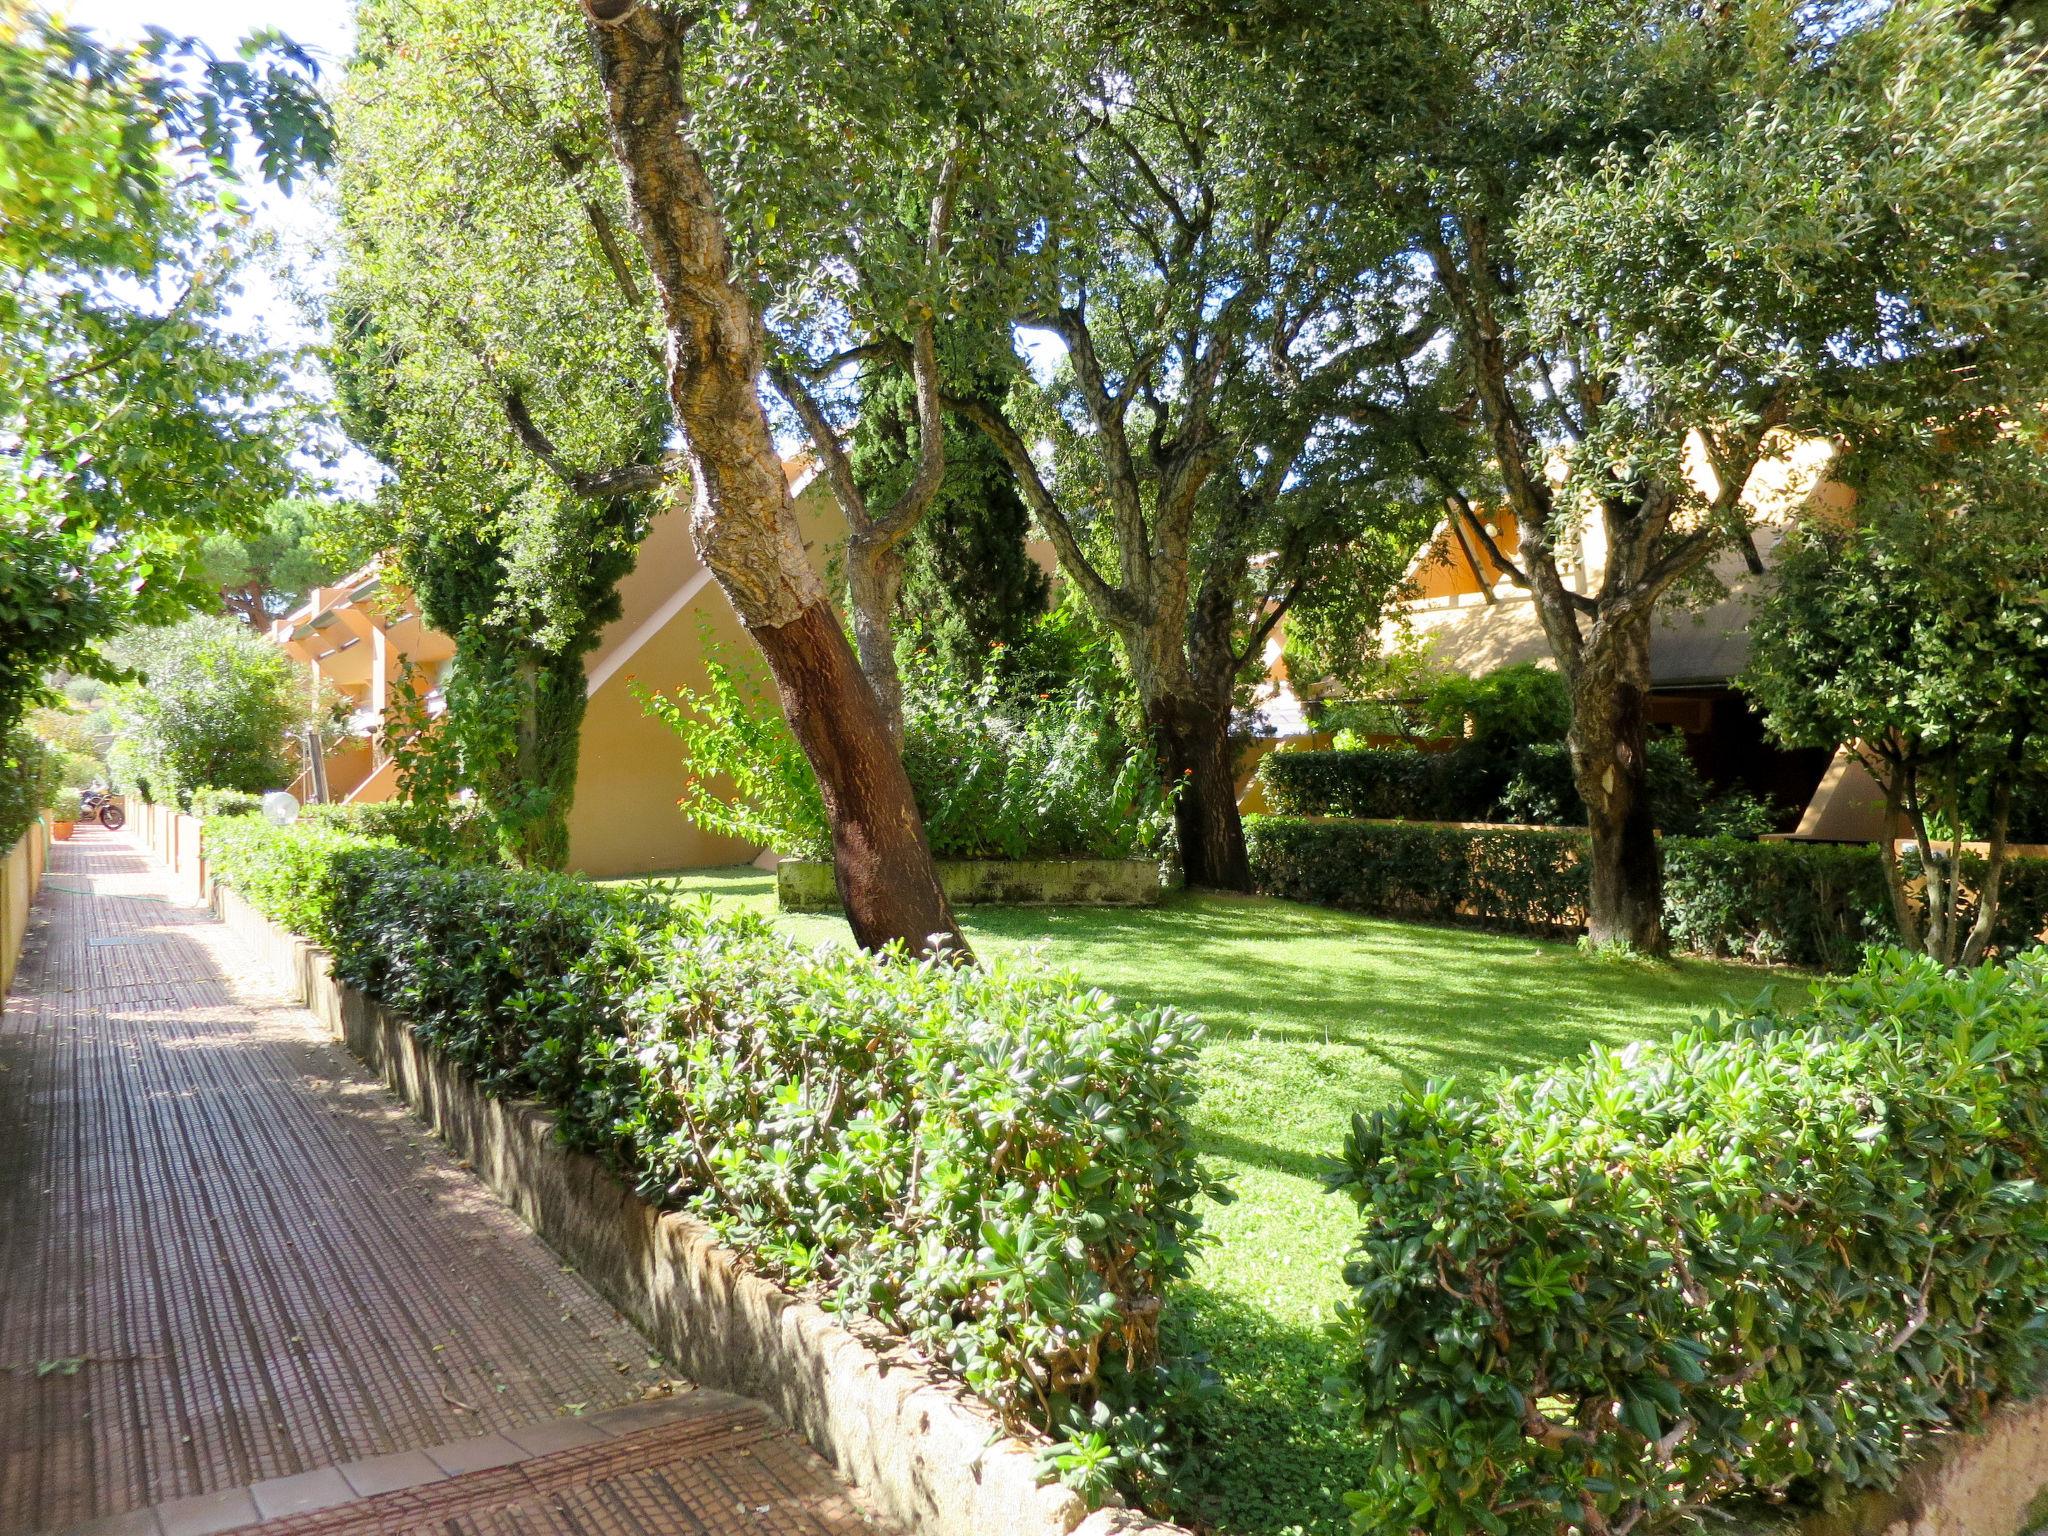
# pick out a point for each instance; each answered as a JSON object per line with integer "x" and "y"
{"x": 1896, "y": 781}
{"x": 1610, "y": 765}
{"x": 744, "y": 524}
{"x": 874, "y": 581}
{"x": 886, "y": 879}
{"x": 1192, "y": 738}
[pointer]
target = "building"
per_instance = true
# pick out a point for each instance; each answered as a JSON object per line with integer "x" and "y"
{"x": 355, "y": 634}
{"x": 1467, "y": 615}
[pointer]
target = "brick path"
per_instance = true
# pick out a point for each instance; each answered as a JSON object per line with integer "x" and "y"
{"x": 228, "y": 1258}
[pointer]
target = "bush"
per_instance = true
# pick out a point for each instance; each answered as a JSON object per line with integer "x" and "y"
{"x": 225, "y": 802}
{"x": 217, "y": 706}
{"x": 1514, "y": 706}
{"x": 993, "y": 1161}
{"x": 1811, "y": 904}
{"x": 457, "y": 833}
{"x": 1816, "y": 904}
{"x": 28, "y": 782}
{"x": 1521, "y": 879}
{"x": 1525, "y": 785}
{"x": 1767, "y": 1257}
{"x": 1059, "y": 779}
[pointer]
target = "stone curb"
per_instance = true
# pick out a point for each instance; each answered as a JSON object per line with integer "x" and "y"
{"x": 809, "y": 885}
{"x": 930, "y": 1456}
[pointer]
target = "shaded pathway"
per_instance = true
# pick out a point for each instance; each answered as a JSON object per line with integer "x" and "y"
{"x": 226, "y": 1256}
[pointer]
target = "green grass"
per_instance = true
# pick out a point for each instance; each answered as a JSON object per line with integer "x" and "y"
{"x": 1312, "y": 1014}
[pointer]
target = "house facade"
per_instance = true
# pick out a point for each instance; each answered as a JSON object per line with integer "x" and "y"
{"x": 356, "y": 635}
{"x": 1467, "y": 615}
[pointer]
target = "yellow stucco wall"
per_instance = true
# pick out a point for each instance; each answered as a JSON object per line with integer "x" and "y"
{"x": 632, "y": 770}
{"x": 625, "y": 821}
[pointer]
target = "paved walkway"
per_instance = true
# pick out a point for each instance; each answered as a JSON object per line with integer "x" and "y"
{"x": 238, "y": 1283}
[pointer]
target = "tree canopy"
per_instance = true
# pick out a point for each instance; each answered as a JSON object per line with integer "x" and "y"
{"x": 133, "y": 419}
{"x": 1666, "y": 241}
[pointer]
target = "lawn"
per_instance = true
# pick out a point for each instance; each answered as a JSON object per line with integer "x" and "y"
{"x": 1312, "y": 1014}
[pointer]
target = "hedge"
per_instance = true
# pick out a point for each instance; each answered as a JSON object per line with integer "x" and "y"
{"x": 1524, "y": 879}
{"x": 1768, "y": 1257}
{"x": 1811, "y": 904}
{"x": 992, "y": 1160}
{"x": 1529, "y": 784}
{"x": 1387, "y": 782}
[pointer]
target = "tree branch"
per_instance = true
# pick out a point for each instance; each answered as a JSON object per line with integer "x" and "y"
{"x": 600, "y": 484}
{"x": 1044, "y": 506}
{"x": 825, "y": 442}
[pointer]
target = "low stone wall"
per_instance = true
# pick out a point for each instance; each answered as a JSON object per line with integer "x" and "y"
{"x": 1988, "y": 1481}
{"x": 806, "y": 885}
{"x": 21, "y": 875}
{"x": 174, "y": 837}
{"x": 931, "y": 1458}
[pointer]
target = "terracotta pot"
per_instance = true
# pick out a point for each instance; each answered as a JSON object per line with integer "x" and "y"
{"x": 61, "y": 830}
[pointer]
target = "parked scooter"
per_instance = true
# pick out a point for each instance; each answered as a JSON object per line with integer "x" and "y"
{"x": 101, "y": 806}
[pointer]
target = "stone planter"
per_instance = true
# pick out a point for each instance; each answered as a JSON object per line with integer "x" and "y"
{"x": 930, "y": 1458}
{"x": 807, "y": 885}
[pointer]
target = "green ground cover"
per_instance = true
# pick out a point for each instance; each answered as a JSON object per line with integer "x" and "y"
{"x": 1312, "y": 1014}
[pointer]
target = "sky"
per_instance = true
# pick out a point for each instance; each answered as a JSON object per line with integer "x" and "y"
{"x": 303, "y": 228}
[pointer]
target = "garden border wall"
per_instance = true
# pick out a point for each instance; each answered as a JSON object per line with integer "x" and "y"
{"x": 809, "y": 885}
{"x": 21, "y": 876}
{"x": 929, "y": 1456}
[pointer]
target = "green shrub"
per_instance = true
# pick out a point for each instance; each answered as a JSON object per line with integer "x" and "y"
{"x": 1524, "y": 785}
{"x": 1057, "y": 780}
{"x": 28, "y": 782}
{"x": 460, "y": 834}
{"x": 1814, "y": 904}
{"x": 1513, "y": 706}
{"x": 1521, "y": 879}
{"x": 993, "y": 779}
{"x": 1391, "y": 783}
{"x": 1811, "y": 904}
{"x": 994, "y": 1161}
{"x": 225, "y": 802}
{"x": 216, "y": 704}
{"x": 287, "y": 875}
{"x": 1767, "y": 1257}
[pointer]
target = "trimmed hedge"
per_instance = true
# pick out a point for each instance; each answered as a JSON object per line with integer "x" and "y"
{"x": 1811, "y": 904}
{"x": 1767, "y": 1257}
{"x": 992, "y": 1160}
{"x": 1524, "y": 879}
{"x": 1527, "y": 784}
{"x": 1391, "y": 783}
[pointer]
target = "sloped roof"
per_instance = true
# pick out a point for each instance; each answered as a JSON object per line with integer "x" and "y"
{"x": 1687, "y": 648}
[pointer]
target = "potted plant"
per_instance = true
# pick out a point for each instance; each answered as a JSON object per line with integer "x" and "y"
{"x": 63, "y": 813}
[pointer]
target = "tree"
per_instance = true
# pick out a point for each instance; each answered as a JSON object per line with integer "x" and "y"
{"x": 212, "y": 706}
{"x": 1667, "y": 239}
{"x": 970, "y": 587}
{"x": 873, "y": 161}
{"x": 132, "y": 422}
{"x": 1918, "y": 637}
{"x": 265, "y": 571}
{"x": 1216, "y": 437}
{"x": 492, "y": 335}
{"x": 653, "y": 65}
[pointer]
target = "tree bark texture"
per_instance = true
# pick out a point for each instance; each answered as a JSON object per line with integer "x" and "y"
{"x": 874, "y": 580}
{"x": 886, "y": 878}
{"x": 743, "y": 521}
{"x": 1609, "y": 740}
{"x": 1193, "y": 742}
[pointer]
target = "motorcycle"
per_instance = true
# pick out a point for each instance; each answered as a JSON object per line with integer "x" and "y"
{"x": 99, "y": 805}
